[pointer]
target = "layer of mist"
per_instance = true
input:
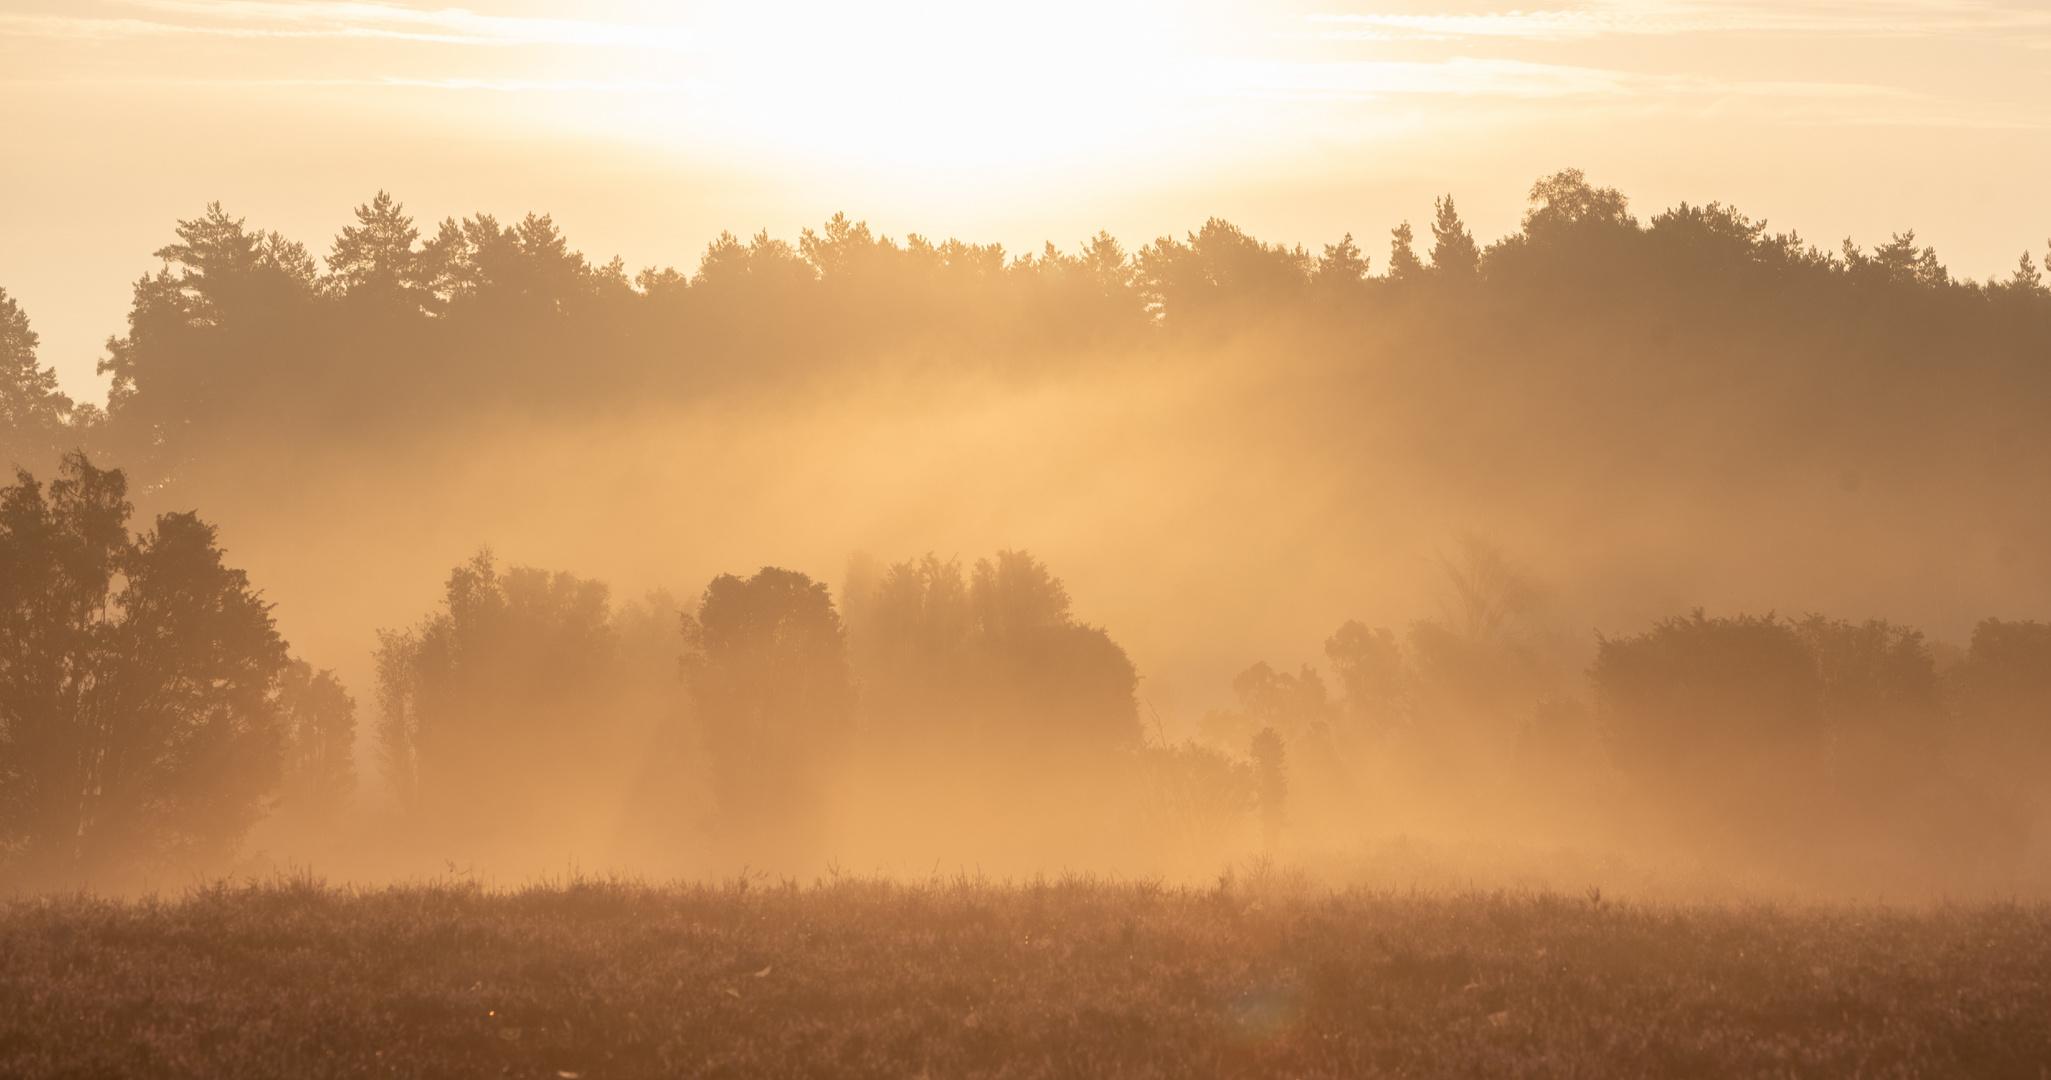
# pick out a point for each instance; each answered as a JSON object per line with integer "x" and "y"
{"x": 1504, "y": 564}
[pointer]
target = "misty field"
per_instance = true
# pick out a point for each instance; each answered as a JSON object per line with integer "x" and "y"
{"x": 1253, "y": 977}
{"x": 1671, "y": 548}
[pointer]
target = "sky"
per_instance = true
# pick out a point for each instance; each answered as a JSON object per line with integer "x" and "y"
{"x": 647, "y": 128}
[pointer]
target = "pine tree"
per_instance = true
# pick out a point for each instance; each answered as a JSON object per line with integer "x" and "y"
{"x": 1453, "y": 251}
{"x": 1403, "y": 263}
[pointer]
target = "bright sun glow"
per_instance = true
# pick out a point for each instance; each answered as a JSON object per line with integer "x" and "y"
{"x": 946, "y": 85}
{"x": 986, "y": 94}
{"x": 991, "y": 93}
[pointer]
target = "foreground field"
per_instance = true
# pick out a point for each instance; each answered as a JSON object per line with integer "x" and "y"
{"x": 862, "y": 979}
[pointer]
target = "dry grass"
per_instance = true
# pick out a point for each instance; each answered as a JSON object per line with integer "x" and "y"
{"x": 1260, "y": 977}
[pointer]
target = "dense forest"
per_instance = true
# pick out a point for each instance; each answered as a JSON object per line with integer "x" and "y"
{"x": 1691, "y": 388}
{"x": 241, "y": 334}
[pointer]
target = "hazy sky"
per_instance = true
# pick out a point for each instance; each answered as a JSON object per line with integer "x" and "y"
{"x": 646, "y": 128}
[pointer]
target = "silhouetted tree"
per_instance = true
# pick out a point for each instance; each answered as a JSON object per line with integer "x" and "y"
{"x": 1706, "y": 246}
{"x": 1566, "y": 201}
{"x": 1103, "y": 263}
{"x": 1721, "y": 720}
{"x": 2002, "y": 689}
{"x": 502, "y": 696}
{"x": 1220, "y": 265}
{"x": 1476, "y": 672}
{"x": 1270, "y": 761}
{"x": 1881, "y": 702}
{"x": 1454, "y": 254}
{"x": 1897, "y": 263}
{"x": 1198, "y": 797}
{"x": 1578, "y": 241}
{"x": 843, "y": 248}
{"x": 1277, "y": 713}
{"x": 1403, "y": 261}
{"x": 1372, "y": 678}
{"x": 1890, "y": 751}
{"x": 33, "y": 413}
{"x": 910, "y": 641}
{"x": 138, "y": 722}
{"x": 2027, "y": 282}
{"x": 1049, "y": 680}
{"x": 989, "y": 661}
{"x": 1342, "y": 268}
{"x": 201, "y": 339}
{"x": 317, "y": 724}
{"x": 1294, "y": 706}
{"x": 378, "y": 258}
{"x": 769, "y": 680}
{"x": 763, "y": 262}
{"x": 990, "y": 714}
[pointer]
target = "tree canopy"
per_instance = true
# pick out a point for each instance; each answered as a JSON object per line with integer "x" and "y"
{"x": 767, "y": 668}
{"x": 34, "y": 414}
{"x": 244, "y": 333}
{"x": 138, "y": 680}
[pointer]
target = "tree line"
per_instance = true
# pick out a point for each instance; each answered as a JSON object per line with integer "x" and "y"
{"x": 1801, "y": 745}
{"x": 244, "y": 334}
{"x": 150, "y": 714}
{"x": 149, "y": 711}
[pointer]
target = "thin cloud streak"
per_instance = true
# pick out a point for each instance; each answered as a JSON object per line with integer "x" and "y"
{"x": 1360, "y": 81}
{"x": 1198, "y": 104}
{"x": 1364, "y": 79}
{"x": 1533, "y": 25}
{"x": 493, "y": 85}
{"x": 256, "y": 19}
{"x": 1798, "y": 102}
{"x": 58, "y": 26}
{"x": 1875, "y": 18}
{"x": 1467, "y": 76}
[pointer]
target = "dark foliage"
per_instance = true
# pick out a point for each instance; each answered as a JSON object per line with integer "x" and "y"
{"x": 1793, "y": 734}
{"x": 498, "y": 714}
{"x": 993, "y": 720}
{"x": 317, "y": 719}
{"x": 1369, "y": 666}
{"x": 993, "y": 662}
{"x": 33, "y": 414}
{"x": 1271, "y": 764}
{"x": 1728, "y": 712}
{"x": 769, "y": 680}
{"x": 1691, "y": 358}
{"x": 138, "y": 718}
{"x": 241, "y": 338}
{"x": 2003, "y": 693}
